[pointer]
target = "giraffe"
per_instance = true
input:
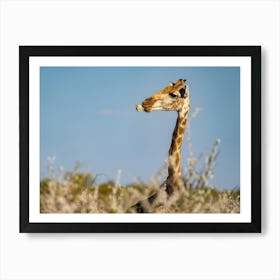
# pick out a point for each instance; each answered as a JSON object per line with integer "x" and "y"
{"x": 174, "y": 97}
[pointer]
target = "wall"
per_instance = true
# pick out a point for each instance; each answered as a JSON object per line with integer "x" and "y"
{"x": 139, "y": 256}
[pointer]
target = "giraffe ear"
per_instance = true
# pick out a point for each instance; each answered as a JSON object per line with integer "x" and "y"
{"x": 171, "y": 84}
{"x": 183, "y": 92}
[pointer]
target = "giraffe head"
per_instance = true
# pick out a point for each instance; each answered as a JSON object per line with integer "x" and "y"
{"x": 171, "y": 98}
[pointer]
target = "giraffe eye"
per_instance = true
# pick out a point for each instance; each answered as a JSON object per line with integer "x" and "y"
{"x": 172, "y": 95}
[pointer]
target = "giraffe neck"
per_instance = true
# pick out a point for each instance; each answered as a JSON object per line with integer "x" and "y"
{"x": 175, "y": 179}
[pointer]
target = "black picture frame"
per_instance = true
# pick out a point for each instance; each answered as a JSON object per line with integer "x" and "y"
{"x": 254, "y": 52}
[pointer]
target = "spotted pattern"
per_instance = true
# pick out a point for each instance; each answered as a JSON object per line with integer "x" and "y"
{"x": 174, "y": 97}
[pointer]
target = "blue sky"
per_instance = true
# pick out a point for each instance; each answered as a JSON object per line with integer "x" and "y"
{"x": 87, "y": 114}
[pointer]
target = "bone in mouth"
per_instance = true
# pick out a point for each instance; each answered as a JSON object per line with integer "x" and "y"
{"x": 139, "y": 108}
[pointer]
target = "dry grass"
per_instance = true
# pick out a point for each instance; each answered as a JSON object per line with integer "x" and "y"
{"x": 71, "y": 197}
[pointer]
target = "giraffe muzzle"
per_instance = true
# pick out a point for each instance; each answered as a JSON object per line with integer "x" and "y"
{"x": 146, "y": 105}
{"x": 140, "y": 108}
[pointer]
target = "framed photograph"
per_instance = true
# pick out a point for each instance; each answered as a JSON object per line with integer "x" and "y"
{"x": 140, "y": 139}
